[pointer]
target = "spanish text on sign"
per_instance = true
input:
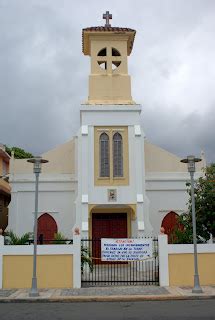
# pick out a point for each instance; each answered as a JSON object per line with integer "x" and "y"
{"x": 125, "y": 249}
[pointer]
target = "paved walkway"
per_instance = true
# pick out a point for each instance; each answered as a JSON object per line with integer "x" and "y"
{"x": 132, "y": 293}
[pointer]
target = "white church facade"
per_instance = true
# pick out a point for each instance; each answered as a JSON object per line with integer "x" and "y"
{"x": 108, "y": 181}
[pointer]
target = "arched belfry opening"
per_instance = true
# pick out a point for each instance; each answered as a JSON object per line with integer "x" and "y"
{"x": 114, "y": 60}
{"x": 102, "y": 52}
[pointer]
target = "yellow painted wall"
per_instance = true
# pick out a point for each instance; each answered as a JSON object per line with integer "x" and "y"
{"x": 109, "y": 86}
{"x": 53, "y": 271}
{"x": 160, "y": 160}
{"x": 181, "y": 269}
{"x": 61, "y": 160}
{"x": 4, "y": 185}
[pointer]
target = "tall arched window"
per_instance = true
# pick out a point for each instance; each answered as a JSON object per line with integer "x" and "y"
{"x": 104, "y": 155}
{"x": 117, "y": 155}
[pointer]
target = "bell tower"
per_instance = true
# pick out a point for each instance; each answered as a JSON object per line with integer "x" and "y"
{"x": 110, "y": 145}
{"x": 109, "y": 48}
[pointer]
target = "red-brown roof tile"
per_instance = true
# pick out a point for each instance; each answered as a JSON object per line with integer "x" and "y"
{"x": 103, "y": 28}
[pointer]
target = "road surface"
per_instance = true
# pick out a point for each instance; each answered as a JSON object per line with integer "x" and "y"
{"x": 153, "y": 310}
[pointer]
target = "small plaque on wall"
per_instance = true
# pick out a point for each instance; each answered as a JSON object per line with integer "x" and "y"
{"x": 112, "y": 195}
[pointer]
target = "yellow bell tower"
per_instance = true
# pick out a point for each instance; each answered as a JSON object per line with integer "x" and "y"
{"x": 108, "y": 47}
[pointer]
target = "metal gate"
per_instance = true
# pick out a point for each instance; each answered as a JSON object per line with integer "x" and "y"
{"x": 94, "y": 272}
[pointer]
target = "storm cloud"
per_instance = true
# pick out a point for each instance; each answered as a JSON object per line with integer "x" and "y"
{"x": 44, "y": 75}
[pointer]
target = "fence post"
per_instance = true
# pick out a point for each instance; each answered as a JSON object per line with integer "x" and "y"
{"x": 163, "y": 260}
{"x": 1, "y": 258}
{"x": 77, "y": 259}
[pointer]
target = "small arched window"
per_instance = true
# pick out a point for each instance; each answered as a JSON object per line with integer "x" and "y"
{"x": 104, "y": 155}
{"x": 117, "y": 155}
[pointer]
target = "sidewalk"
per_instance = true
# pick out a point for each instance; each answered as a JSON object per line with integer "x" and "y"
{"x": 132, "y": 293}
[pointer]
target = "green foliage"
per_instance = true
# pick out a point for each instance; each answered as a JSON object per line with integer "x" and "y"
{"x": 205, "y": 200}
{"x": 12, "y": 239}
{"x": 183, "y": 232}
{"x": 86, "y": 258}
{"x": 18, "y": 152}
{"x": 59, "y": 238}
{"x": 204, "y": 192}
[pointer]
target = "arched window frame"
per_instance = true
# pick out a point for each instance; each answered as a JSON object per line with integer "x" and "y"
{"x": 104, "y": 155}
{"x": 111, "y": 180}
{"x": 117, "y": 155}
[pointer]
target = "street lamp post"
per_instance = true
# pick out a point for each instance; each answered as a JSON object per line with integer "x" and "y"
{"x": 37, "y": 161}
{"x": 191, "y": 160}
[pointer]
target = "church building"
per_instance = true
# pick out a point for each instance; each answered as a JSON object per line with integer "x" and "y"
{"x": 108, "y": 180}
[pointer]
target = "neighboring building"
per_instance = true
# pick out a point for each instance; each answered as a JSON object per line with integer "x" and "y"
{"x": 108, "y": 180}
{"x": 4, "y": 187}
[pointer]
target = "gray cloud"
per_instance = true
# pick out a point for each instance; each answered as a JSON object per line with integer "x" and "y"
{"x": 44, "y": 76}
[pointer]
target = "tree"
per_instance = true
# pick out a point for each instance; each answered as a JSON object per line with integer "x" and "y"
{"x": 18, "y": 152}
{"x": 205, "y": 199}
{"x": 205, "y": 210}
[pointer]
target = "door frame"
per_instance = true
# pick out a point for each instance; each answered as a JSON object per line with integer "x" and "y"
{"x": 98, "y": 209}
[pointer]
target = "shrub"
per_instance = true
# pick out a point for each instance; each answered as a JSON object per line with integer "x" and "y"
{"x": 59, "y": 238}
{"x": 12, "y": 239}
{"x": 86, "y": 258}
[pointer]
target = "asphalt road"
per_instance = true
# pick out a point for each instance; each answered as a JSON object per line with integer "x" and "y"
{"x": 153, "y": 310}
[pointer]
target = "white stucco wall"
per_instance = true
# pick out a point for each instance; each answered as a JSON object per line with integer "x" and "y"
{"x": 126, "y": 194}
{"x": 157, "y": 179}
{"x": 56, "y": 197}
{"x": 166, "y": 192}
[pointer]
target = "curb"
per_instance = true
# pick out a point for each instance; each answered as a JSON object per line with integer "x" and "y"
{"x": 132, "y": 298}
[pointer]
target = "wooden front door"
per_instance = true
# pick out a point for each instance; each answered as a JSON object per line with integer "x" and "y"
{"x": 107, "y": 225}
{"x": 169, "y": 223}
{"x": 47, "y": 227}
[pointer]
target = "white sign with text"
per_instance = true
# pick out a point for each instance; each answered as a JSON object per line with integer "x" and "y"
{"x": 125, "y": 249}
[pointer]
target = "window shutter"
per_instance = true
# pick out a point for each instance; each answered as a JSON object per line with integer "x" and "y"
{"x": 104, "y": 155}
{"x": 117, "y": 155}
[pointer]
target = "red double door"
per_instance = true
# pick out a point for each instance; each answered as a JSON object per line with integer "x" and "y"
{"x": 107, "y": 225}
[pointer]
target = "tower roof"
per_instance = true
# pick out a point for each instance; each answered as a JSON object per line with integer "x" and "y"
{"x": 104, "y": 30}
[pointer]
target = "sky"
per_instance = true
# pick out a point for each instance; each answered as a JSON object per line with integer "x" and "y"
{"x": 44, "y": 75}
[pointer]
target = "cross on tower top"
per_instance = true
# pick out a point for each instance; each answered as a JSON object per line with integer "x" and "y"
{"x": 107, "y": 16}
